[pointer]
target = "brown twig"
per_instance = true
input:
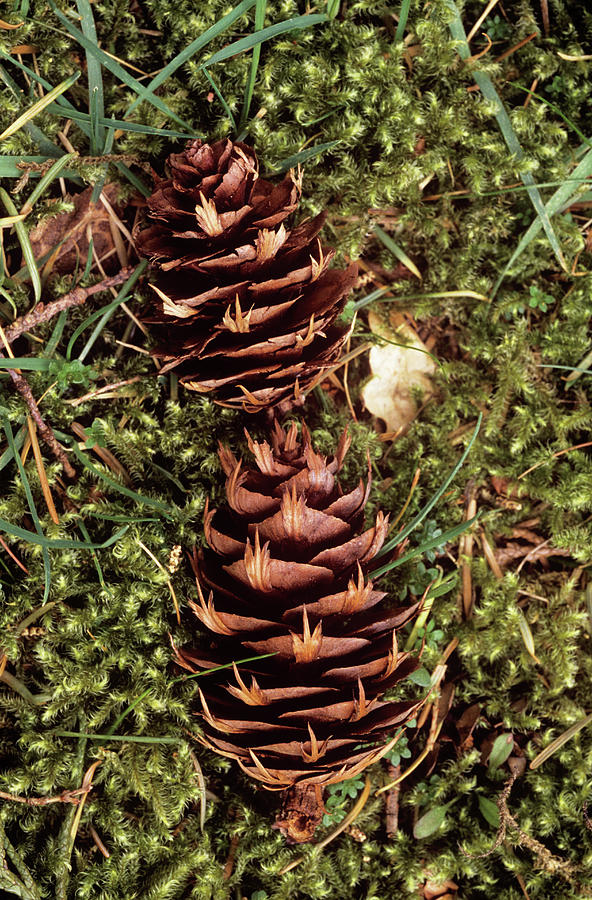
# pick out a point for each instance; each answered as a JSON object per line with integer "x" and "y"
{"x": 545, "y": 15}
{"x": 516, "y": 47}
{"x": 99, "y": 843}
{"x": 43, "y": 313}
{"x": 44, "y": 430}
{"x": 392, "y": 801}
{"x": 229, "y": 865}
{"x": 65, "y": 797}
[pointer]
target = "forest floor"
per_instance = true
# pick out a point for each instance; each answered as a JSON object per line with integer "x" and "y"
{"x": 450, "y": 144}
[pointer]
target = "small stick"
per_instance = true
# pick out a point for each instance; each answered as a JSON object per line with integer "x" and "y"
{"x": 43, "y": 313}
{"x": 64, "y": 797}
{"x": 44, "y": 430}
{"x": 466, "y": 550}
{"x": 516, "y": 47}
{"x": 545, "y": 15}
{"x": 98, "y": 842}
{"x": 229, "y": 865}
{"x": 392, "y": 801}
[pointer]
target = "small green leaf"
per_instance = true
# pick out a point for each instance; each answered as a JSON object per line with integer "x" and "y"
{"x": 489, "y": 811}
{"x": 430, "y": 822}
{"x": 421, "y": 677}
{"x": 502, "y": 747}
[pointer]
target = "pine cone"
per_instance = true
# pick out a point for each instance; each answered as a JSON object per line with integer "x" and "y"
{"x": 285, "y": 569}
{"x": 248, "y": 307}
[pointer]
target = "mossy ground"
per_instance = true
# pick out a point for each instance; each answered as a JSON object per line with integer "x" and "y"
{"x": 420, "y": 152}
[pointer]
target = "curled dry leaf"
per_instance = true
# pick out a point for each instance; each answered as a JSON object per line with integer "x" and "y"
{"x": 67, "y": 234}
{"x": 398, "y": 368}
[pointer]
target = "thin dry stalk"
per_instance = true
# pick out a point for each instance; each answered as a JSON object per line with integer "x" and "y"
{"x": 466, "y": 554}
{"x": 41, "y": 471}
{"x": 517, "y": 46}
{"x": 490, "y": 557}
{"x": 168, "y": 581}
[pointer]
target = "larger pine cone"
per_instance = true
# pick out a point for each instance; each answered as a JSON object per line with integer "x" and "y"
{"x": 285, "y": 571}
{"x": 248, "y": 306}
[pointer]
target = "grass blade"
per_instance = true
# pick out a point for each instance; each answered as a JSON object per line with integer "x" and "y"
{"x": 212, "y": 671}
{"x": 560, "y": 199}
{"x": 104, "y": 314}
{"x": 18, "y": 443}
{"x": 133, "y": 738}
{"x": 260, "y": 10}
{"x": 46, "y": 180}
{"x": 332, "y": 8}
{"x": 489, "y": 92}
{"x": 9, "y": 221}
{"x": 23, "y": 239}
{"x": 96, "y": 103}
{"x": 402, "y": 23}
{"x": 116, "y": 124}
{"x": 59, "y": 543}
{"x": 145, "y": 92}
{"x": 252, "y": 40}
{"x": 220, "y": 97}
{"x": 133, "y": 179}
{"x": 390, "y": 545}
{"x": 39, "y": 106}
{"x": 114, "y": 67}
{"x": 557, "y": 111}
{"x": 396, "y": 251}
{"x": 30, "y": 363}
{"x": 555, "y": 745}
{"x": 43, "y": 142}
{"x": 302, "y": 156}
{"x": 439, "y": 541}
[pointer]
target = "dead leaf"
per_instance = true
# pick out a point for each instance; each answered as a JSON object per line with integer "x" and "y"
{"x": 74, "y": 229}
{"x": 513, "y": 550}
{"x": 398, "y": 368}
{"x": 7, "y": 25}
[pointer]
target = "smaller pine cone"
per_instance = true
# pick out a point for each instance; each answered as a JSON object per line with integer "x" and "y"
{"x": 247, "y": 307}
{"x": 285, "y": 571}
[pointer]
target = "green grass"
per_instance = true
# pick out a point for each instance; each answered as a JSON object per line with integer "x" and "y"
{"x": 474, "y": 189}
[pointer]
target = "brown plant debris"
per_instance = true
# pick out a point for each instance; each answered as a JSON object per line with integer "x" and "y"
{"x": 246, "y": 306}
{"x": 66, "y": 236}
{"x": 285, "y": 575}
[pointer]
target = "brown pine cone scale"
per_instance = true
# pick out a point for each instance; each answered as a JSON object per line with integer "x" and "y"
{"x": 247, "y": 306}
{"x": 285, "y": 576}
